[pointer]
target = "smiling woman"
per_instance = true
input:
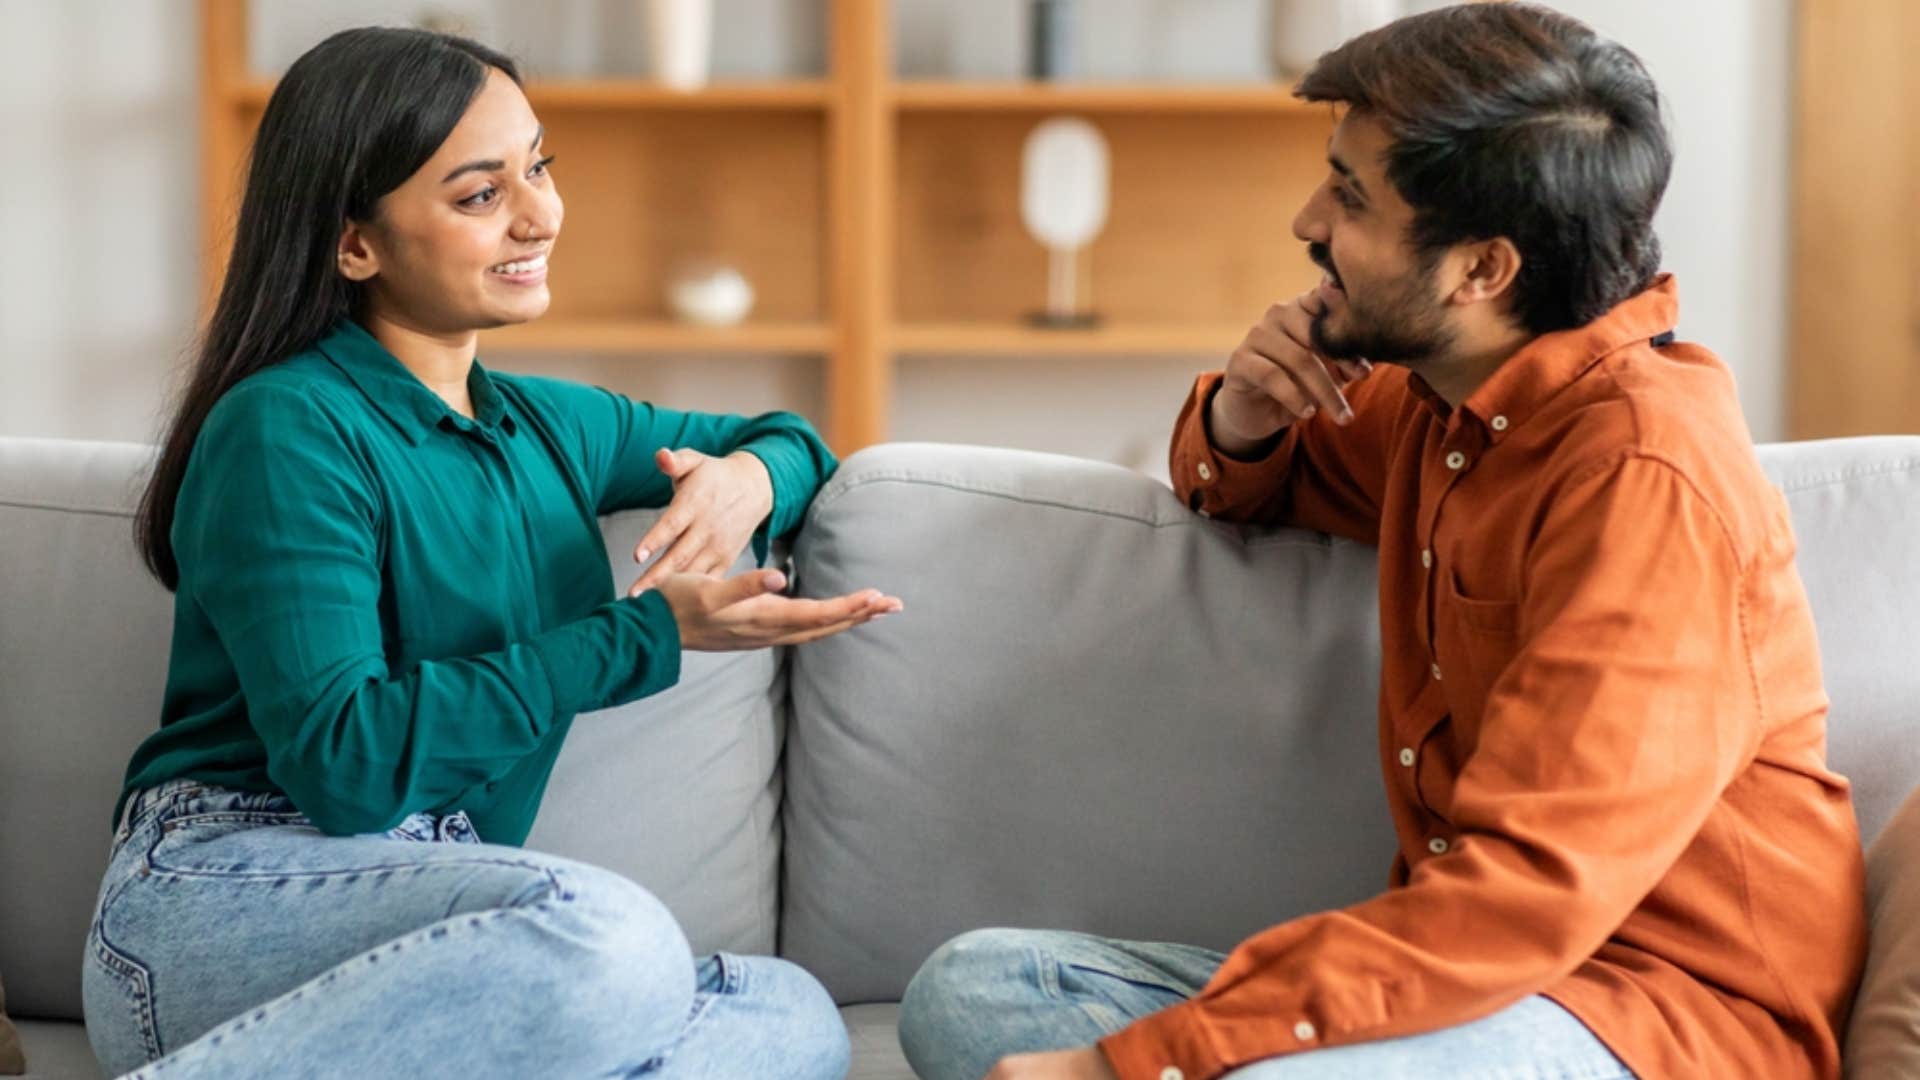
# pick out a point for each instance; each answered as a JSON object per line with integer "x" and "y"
{"x": 350, "y": 705}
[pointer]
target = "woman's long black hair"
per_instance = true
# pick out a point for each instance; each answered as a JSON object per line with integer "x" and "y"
{"x": 351, "y": 120}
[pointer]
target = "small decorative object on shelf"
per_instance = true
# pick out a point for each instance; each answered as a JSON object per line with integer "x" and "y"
{"x": 1064, "y": 177}
{"x": 1051, "y": 53}
{"x": 1305, "y": 29}
{"x": 710, "y": 294}
{"x": 680, "y": 39}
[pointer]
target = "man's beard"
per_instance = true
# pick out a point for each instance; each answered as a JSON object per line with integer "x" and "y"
{"x": 1399, "y": 322}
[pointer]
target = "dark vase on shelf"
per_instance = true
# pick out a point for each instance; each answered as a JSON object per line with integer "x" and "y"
{"x": 1051, "y": 45}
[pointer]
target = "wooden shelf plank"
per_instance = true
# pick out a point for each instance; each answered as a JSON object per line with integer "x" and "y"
{"x": 657, "y": 336}
{"x": 801, "y": 95}
{"x": 1115, "y": 339}
{"x": 1132, "y": 98}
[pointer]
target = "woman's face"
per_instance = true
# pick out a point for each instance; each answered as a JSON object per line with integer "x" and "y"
{"x": 462, "y": 245}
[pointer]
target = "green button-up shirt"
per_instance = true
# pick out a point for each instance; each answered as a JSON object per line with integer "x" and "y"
{"x": 385, "y": 607}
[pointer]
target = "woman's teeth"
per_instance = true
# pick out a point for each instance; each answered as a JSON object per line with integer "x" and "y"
{"x": 525, "y": 266}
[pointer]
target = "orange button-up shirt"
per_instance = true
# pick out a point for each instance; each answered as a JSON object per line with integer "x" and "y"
{"x": 1602, "y": 725}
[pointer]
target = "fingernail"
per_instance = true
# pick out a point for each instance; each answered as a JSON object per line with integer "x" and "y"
{"x": 641, "y": 555}
{"x": 1308, "y": 411}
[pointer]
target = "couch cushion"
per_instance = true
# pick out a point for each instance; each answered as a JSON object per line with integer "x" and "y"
{"x": 58, "y": 1050}
{"x": 678, "y": 792}
{"x": 875, "y": 1033}
{"x": 1856, "y": 514}
{"x": 1098, "y": 711}
{"x": 83, "y": 652}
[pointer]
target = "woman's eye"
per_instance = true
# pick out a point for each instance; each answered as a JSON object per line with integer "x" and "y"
{"x": 540, "y": 167}
{"x": 481, "y": 197}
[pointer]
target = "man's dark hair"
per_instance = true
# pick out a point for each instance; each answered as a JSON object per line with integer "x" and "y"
{"x": 1513, "y": 120}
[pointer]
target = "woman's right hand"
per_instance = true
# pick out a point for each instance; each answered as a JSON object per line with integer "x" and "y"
{"x": 748, "y": 612}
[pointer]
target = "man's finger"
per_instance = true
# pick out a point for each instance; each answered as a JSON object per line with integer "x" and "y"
{"x": 1305, "y": 367}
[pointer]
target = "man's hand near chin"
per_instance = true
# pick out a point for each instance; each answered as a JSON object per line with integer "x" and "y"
{"x": 1087, "y": 1063}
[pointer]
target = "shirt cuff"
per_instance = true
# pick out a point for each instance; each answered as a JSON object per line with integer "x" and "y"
{"x": 1172, "y": 1044}
{"x": 1206, "y": 478}
{"x": 627, "y": 649}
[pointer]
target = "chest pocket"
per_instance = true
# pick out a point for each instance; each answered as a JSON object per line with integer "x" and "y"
{"x": 1477, "y": 640}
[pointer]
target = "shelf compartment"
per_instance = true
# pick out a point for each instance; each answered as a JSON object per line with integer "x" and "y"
{"x": 1199, "y": 230}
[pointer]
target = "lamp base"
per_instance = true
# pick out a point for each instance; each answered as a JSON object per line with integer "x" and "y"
{"x": 1051, "y": 320}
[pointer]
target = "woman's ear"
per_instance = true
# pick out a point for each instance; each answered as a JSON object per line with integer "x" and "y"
{"x": 356, "y": 258}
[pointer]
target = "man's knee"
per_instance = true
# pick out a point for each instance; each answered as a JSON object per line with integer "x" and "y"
{"x": 964, "y": 984}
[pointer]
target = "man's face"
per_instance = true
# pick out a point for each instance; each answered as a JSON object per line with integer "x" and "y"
{"x": 1380, "y": 303}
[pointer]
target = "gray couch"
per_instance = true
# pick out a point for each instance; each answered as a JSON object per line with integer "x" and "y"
{"x": 1099, "y": 711}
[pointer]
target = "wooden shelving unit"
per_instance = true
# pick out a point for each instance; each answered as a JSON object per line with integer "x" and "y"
{"x": 878, "y": 218}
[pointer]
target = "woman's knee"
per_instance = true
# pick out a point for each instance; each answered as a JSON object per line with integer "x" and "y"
{"x": 814, "y": 1033}
{"x": 621, "y": 953}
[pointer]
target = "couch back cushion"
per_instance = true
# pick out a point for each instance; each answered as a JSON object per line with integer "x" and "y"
{"x": 679, "y": 792}
{"x": 1102, "y": 712}
{"x": 1856, "y": 514}
{"x": 1098, "y": 711}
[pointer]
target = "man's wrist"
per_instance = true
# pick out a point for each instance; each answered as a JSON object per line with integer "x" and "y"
{"x": 1229, "y": 446}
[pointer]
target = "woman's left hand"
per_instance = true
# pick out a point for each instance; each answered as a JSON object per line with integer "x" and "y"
{"x": 717, "y": 505}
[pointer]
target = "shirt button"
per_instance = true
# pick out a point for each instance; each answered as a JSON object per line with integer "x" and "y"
{"x": 1456, "y": 461}
{"x": 1170, "y": 1072}
{"x": 1304, "y": 1031}
{"x": 1436, "y": 673}
{"x": 1206, "y": 471}
{"x": 1406, "y": 756}
{"x": 1426, "y": 558}
{"x": 1437, "y": 846}
{"x": 1499, "y": 423}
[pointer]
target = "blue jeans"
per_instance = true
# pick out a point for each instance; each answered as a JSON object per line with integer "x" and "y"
{"x": 233, "y": 939}
{"x": 990, "y": 993}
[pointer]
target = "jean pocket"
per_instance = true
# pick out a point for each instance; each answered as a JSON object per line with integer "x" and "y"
{"x": 117, "y": 993}
{"x": 168, "y": 853}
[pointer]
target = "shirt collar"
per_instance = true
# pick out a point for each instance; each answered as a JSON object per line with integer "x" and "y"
{"x": 1551, "y": 362}
{"x": 400, "y": 396}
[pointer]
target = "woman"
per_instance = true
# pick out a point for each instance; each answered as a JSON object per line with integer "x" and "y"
{"x": 391, "y": 601}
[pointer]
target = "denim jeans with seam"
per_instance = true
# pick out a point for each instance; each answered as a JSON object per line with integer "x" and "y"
{"x": 233, "y": 939}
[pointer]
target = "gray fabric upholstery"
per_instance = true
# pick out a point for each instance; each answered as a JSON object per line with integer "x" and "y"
{"x": 58, "y": 1050}
{"x": 83, "y": 654}
{"x": 1856, "y": 514}
{"x": 1098, "y": 711}
{"x": 874, "y": 1031}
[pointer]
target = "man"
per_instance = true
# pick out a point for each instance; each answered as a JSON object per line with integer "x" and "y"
{"x": 1602, "y": 726}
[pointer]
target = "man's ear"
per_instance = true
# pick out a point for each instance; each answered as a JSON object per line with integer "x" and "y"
{"x": 356, "y": 257}
{"x": 1492, "y": 266}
